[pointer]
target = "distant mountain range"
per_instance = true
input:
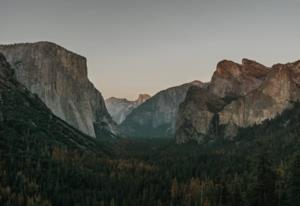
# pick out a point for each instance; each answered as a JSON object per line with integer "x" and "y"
{"x": 157, "y": 116}
{"x": 238, "y": 96}
{"x": 119, "y": 108}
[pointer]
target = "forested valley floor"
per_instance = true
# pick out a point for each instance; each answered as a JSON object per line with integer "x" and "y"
{"x": 260, "y": 167}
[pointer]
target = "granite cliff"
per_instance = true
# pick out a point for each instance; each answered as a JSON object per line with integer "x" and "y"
{"x": 242, "y": 95}
{"x": 119, "y": 108}
{"x": 59, "y": 78}
{"x": 280, "y": 88}
{"x": 232, "y": 80}
{"x": 25, "y": 119}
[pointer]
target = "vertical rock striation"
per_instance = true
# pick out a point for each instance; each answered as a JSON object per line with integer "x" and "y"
{"x": 280, "y": 88}
{"x": 196, "y": 115}
{"x": 232, "y": 80}
{"x": 59, "y": 78}
{"x": 246, "y": 93}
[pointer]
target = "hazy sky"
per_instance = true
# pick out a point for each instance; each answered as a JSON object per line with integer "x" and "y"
{"x": 143, "y": 46}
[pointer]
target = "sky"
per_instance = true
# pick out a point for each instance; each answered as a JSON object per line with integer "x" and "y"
{"x": 144, "y": 46}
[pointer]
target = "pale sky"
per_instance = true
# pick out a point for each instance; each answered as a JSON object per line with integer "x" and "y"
{"x": 144, "y": 46}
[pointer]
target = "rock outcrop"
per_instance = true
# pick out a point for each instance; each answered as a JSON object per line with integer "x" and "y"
{"x": 24, "y": 116}
{"x": 197, "y": 115}
{"x": 281, "y": 87}
{"x": 59, "y": 78}
{"x": 157, "y": 116}
{"x": 232, "y": 80}
{"x": 247, "y": 94}
{"x": 119, "y": 109}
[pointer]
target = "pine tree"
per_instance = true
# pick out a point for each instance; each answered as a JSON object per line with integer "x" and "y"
{"x": 264, "y": 183}
{"x": 174, "y": 191}
{"x": 294, "y": 182}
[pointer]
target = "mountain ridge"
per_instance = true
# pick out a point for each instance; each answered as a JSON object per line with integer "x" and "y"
{"x": 251, "y": 93}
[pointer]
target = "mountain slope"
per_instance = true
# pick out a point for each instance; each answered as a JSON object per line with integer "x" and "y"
{"x": 251, "y": 93}
{"x": 59, "y": 78}
{"x": 119, "y": 109}
{"x": 233, "y": 80}
{"x": 196, "y": 115}
{"x": 45, "y": 161}
{"x": 281, "y": 86}
{"x": 24, "y": 114}
{"x": 156, "y": 117}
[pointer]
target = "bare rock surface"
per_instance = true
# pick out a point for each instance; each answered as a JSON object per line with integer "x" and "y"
{"x": 248, "y": 93}
{"x": 196, "y": 115}
{"x": 59, "y": 78}
{"x": 234, "y": 80}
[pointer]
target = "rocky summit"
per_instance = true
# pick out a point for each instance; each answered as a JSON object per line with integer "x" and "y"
{"x": 59, "y": 78}
{"x": 157, "y": 116}
{"x": 232, "y": 80}
{"x": 239, "y": 95}
{"x": 119, "y": 108}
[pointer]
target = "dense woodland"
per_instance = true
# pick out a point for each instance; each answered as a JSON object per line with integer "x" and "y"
{"x": 260, "y": 167}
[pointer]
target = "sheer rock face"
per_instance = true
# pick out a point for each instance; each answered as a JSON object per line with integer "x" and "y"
{"x": 233, "y": 80}
{"x": 157, "y": 116}
{"x": 196, "y": 114}
{"x": 280, "y": 88}
{"x": 251, "y": 93}
{"x": 59, "y": 78}
{"x": 119, "y": 109}
{"x": 25, "y": 114}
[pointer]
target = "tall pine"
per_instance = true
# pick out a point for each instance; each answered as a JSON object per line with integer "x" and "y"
{"x": 294, "y": 182}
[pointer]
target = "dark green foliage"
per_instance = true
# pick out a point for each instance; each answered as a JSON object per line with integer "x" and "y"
{"x": 46, "y": 162}
{"x": 263, "y": 191}
{"x": 294, "y": 182}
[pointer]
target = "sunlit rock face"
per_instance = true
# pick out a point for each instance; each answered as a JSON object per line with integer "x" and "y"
{"x": 59, "y": 78}
{"x": 231, "y": 80}
{"x": 157, "y": 116}
{"x": 246, "y": 93}
{"x": 280, "y": 88}
{"x": 23, "y": 115}
{"x": 119, "y": 108}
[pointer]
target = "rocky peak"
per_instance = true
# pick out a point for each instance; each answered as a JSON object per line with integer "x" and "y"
{"x": 142, "y": 98}
{"x": 59, "y": 78}
{"x": 233, "y": 80}
{"x": 252, "y": 63}
{"x": 260, "y": 93}
{"x": 120, "y": 108}
{"x": 227, "y": 69}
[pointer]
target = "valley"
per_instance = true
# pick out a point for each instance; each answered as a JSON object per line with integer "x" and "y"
{"x": 184, "y": 146}
{"x": 149, "y": 103}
